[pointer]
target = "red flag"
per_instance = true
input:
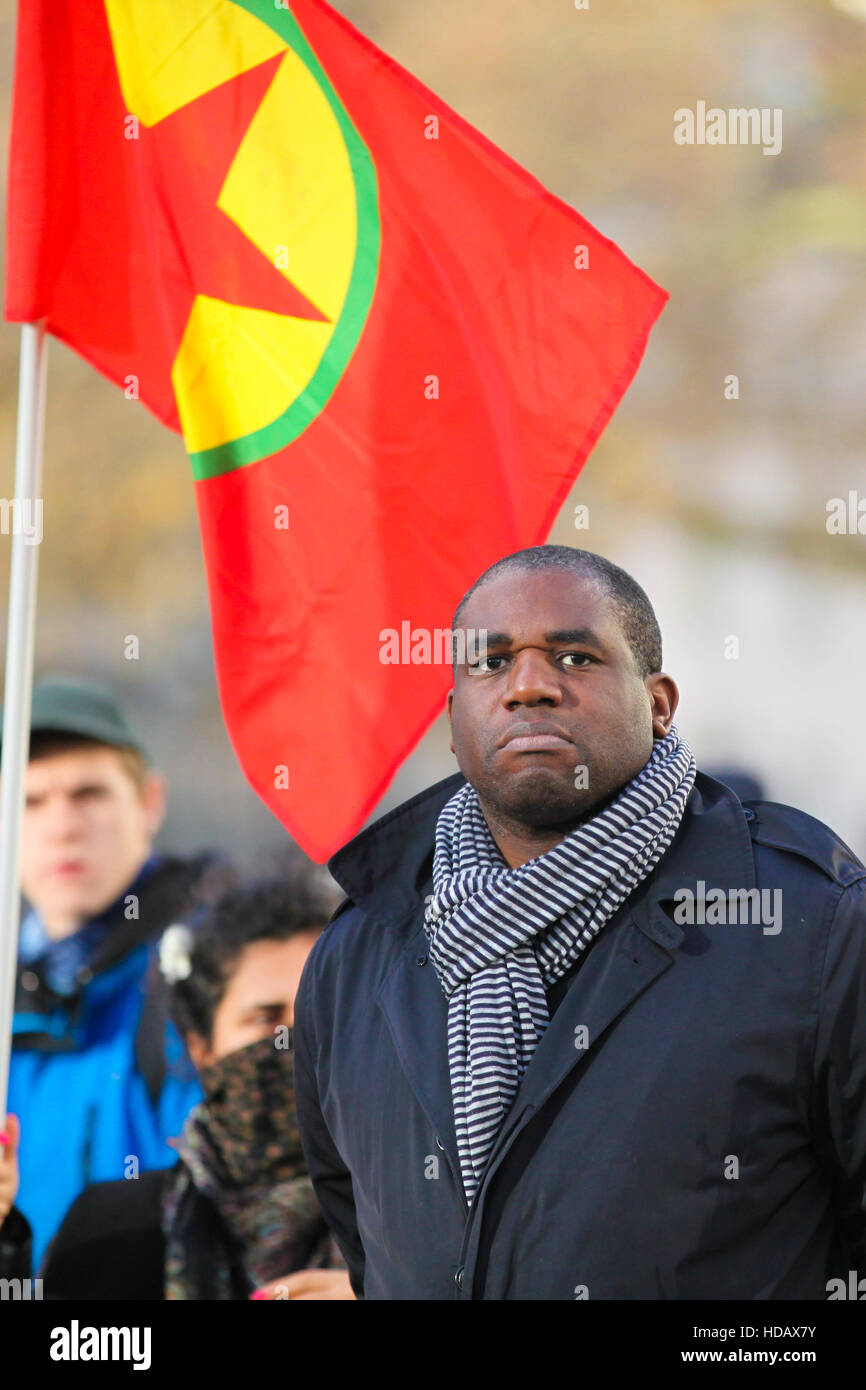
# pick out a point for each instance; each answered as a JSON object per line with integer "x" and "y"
{"x": 389, "y": 349}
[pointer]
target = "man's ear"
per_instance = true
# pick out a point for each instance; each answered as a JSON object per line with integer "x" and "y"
{"x": 153, "y": 795}
{"x": 664, "y": 698}
{"x": 448, "y": 703}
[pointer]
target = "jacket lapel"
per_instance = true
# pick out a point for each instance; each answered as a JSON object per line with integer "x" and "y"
{"x": 640, "y": 942}
{"x": 630, "y": 954}
{"x": 637, "y": 946}
{"x": 387, "y": 870}
{"x": 416, "y": 1012}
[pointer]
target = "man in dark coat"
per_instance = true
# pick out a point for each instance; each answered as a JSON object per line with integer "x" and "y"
{"x": 609, "y": 1041}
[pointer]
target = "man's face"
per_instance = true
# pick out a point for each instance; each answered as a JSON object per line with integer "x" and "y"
{"x": 556, "y": 718}
{"x": 86, "y": 831}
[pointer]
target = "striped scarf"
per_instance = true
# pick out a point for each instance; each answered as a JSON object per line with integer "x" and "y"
{"x": 499, "y": 936}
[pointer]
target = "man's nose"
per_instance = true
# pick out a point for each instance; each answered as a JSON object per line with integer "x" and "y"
{"x": 532, "y": 681}
{"x": 63, "y": 819}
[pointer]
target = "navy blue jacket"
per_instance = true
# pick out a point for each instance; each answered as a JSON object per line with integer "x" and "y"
{"x": 703, "y": 1138}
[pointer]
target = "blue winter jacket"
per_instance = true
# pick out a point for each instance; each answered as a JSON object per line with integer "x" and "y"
{"x": 100, "y": 1079}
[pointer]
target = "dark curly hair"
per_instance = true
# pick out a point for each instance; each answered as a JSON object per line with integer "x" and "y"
{"x": 265, "y": 910}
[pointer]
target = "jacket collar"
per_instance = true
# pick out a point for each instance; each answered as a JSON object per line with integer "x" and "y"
{"x": 385, "y": 869}
{"x": 61, "y": 961}
{"x": 164, "y": 887}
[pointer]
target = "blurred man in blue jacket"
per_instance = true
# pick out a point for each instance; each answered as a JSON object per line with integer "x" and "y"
{"x": 99, "y": 1079}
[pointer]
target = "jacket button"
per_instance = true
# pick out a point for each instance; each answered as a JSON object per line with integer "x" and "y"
{"x": 458, "y": 1277}
{"x": 439, "y": 1144}
{"x": 420, "y": 960}
{"x": 748, "y": 813}
{"x": 29, "y": 980}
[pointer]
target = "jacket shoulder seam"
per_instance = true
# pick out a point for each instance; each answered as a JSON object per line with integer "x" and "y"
{"x": 848, "y": 872}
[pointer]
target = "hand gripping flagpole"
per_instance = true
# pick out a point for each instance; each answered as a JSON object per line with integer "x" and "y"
{"x": 23, "y": 574}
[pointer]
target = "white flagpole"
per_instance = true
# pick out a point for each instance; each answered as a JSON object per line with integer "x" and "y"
{"x": 23, "y": 574}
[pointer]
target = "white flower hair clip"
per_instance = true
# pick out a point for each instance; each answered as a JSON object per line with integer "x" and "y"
{"x": 175, "y": 948}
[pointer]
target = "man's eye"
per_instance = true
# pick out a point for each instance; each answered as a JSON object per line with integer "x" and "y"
{"x": 577, "y": 657}
{"x": 483, "y": 663}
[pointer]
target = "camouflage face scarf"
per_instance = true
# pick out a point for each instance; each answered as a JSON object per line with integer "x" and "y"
{"x": 239, "y": 1209}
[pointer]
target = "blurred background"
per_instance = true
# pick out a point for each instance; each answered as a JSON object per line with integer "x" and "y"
{"x": 717, "y": 506}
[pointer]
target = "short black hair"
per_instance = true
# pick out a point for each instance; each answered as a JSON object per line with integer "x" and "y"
{"x": 633, "y": 609}
{"x": 265, "y": 910}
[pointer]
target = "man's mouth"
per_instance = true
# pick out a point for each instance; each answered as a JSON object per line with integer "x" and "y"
{"x": 535, "y": 737}
{"x": 68, "y": 868}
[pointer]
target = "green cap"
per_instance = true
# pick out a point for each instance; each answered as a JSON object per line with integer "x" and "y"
{"x": 66, "y": 705}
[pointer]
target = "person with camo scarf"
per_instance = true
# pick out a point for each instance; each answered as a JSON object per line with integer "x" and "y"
{"x": 236, "y": 1217}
